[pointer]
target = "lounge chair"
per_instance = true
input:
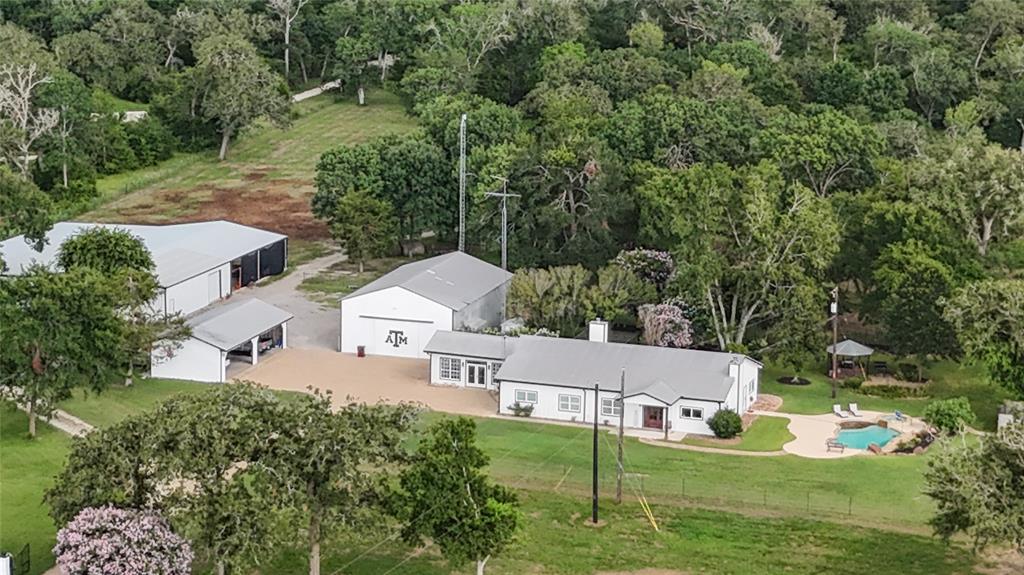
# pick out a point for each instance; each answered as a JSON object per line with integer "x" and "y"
{"x": 831, "y": 444}
{"x": 838, "y": 411}
{"x": 899, "y": 415}
{"x": 854, "y": 410}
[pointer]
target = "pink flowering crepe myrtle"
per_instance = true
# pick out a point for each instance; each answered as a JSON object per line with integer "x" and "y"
{"x": 112, "y": 541}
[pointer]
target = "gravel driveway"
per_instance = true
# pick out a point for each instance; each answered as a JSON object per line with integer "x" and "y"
{"x": 314, "y": 326}
{"x": 369, "y": 379}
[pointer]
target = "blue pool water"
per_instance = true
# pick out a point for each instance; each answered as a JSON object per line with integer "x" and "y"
{"x": 861, "y": 438}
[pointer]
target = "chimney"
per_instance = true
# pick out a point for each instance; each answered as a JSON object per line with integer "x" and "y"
{"x": 734, "y": 370}
{"x": 598, "y": 331}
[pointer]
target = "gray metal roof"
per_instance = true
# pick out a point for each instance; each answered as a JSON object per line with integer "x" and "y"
{"x": 229, "y": 325}
{"x": 850, "y": 348}
{"x": 180, "y": 251}
{"x": 666, "y": 374}
{"x": 453, "y": 280}
{"x": 468, "y": 344}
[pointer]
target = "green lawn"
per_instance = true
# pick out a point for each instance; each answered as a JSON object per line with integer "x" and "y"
{"x": 949, "y": 379}
{"x": 556, "y": 539}
{"x": 27, "y": 468}
{"x": 765, "y": 434}
{"x": 344, "y": 278}
{"x": 117, "y": 401}
{"x": 272, "y": 168}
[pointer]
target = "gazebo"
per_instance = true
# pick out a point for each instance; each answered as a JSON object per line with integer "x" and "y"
{"x": 849, "y": 349}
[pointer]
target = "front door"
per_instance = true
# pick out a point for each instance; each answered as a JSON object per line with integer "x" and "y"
{"x": 654, "y": 417}
{"x": 476, "y": 374}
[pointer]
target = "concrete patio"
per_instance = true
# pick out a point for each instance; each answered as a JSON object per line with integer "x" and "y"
{"x": 812, "y": 431}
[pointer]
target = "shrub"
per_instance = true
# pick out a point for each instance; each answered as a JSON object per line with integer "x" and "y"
{"x": 652, "y": 266}
{"x": 664, "y": 325}
{"x": 949, "y": 415}
{"x": 112, "y": 541}
{"x": 726, "y": 423}
{"x": 521, "y": 409}
{"x": 151, "y": 141}
{"x": 852, "y": 382}
{"x": 910, "y": 372}
{"x": 892, "y": 391}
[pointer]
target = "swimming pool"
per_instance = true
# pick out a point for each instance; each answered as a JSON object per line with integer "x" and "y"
{"x": 861, "y": 438}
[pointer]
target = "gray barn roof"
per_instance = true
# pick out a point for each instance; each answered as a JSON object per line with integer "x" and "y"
{"x": 180, "y": 251}
{"x": 666, "y": 374}
{"x": 468, "y": 344}
{"x": 850, "y": 348}
{"x": 453, "y": 280}
{"x": 229, "y": 325}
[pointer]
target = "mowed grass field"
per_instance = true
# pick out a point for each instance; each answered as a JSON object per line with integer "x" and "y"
{"x": 266, "y": 181}
{"x": 717, "y": 513}
{"x": 765, "y": 434}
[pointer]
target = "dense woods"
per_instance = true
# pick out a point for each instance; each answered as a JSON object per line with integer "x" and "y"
{"x": 774, "y": 148}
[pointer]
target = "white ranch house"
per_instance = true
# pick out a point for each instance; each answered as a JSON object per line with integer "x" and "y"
{"x": 556, "y": 376}
{"x": 398, "y": 313}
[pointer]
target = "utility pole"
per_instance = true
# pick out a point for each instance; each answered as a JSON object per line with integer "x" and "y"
{"x": 593, "y": 511}
{"x": 835, "y": 337}
{"x": 504, "y": 195}
{"x": 622, "y": 416}
{"x": 462, "y": 183}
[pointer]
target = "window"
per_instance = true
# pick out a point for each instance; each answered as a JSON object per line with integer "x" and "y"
{"x": 568, "y": 402}
{"x": 611, "y": 407}
{"x": 451, "y": 369}
{"x": 495, "y": 366}
{"x": 691, "y": 413}
{"x": 525, "y": 396}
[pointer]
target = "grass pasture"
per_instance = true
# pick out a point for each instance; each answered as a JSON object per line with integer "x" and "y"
{"x": 344, "y": 278}
{"x": 266, "y": 181}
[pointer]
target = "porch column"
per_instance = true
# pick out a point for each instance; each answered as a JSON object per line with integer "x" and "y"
{"x": 255, "y": 343}
{"x": 284, "y": 335}
{"x": 664, "y": 423}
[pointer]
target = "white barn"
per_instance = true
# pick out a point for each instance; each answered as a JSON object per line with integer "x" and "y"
{"x": 196, "y": 264}
{"x": 238, "y": 331}
{"x": 682, "y": 388}
{"x": 399, "y": 312}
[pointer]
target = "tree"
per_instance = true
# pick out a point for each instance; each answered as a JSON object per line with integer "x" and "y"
{"x": 616, "y": 295}
{"x": 240, "y": 87}
{"x": 826, "y": 150}
{"x": 72, "y": 100}
{"x": 24, "y": 209}
{"x": 21, "y": 77}
{"x": 446, "y": 497}
{"x": 979, "y": 489}
{"x": 213, "y": 447}
{"x": 113, "y": 465}
{"x": 909, "y": 284}
{"x": 554, "y": 298}
{"x": 123, "y": 258}
{"x": 364, "y": 226}
{"x": 988, "y": 319}
{"x": 336, "y": 464}
{"x": 749, "y": 246}
{"x": 104, "y": 540}
{"x": 665, "y": 325}
{"x": 462, "y": 38}
{"x": 653, "y": 266}
{"x": 62, "y": 331}
{"x": 978, "y": 186}
{"x": 287, "y": 11}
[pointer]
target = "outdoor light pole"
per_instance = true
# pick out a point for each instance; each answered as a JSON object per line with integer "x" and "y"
{"x": 462, "y": 183}
{"x": 835, "y": 337}
{"x": 622, "y": 415}
{"x": 504, "y": 195}
{"x": 594, "y": 506}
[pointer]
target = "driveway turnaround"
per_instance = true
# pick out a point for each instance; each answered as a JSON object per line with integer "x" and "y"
{"x": 369, "y": 379}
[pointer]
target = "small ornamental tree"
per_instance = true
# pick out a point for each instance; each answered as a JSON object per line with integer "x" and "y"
{"x": 653, "y": 266}
{"x": 446, "y": 497}
{"x": 364, "y": 226}
{"x": 112, "y": 541}
{"x": 726, "y": 423}
{"x": 949, "y": 415}
{"x": 665, "y": 325}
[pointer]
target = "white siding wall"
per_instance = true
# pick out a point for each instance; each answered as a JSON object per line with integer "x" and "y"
{"x": 195, "y": 360}
{"x": 367, "y": 319}
{"x": 194, "y": 294}
{"x": 435, "y": 370}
